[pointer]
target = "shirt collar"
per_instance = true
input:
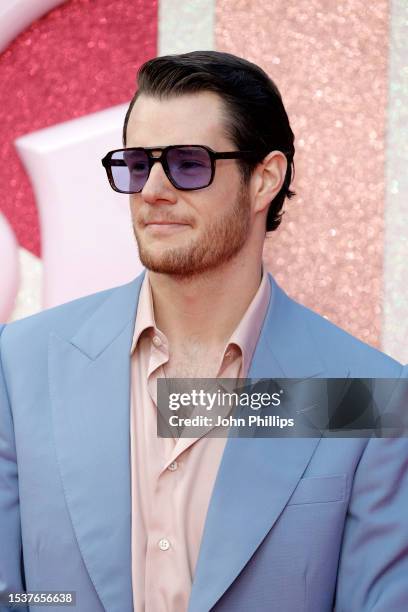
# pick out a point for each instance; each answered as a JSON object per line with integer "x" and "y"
{"x": 145, "y": 312}
{"x": 245, "y": 335}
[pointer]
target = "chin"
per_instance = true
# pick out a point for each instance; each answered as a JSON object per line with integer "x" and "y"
{"x": 157, "y": 261}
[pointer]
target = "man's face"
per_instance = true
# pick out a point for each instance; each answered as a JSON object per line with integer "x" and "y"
{"x": 212, "y": 224}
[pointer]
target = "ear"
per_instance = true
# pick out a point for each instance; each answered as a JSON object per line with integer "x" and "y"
{"x": 268, "y": 179}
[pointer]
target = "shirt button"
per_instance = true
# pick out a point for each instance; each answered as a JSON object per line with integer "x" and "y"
{"x": 156, "y": 341}
{"x": 164, "y": 544}
{"x": 173, "y": 466}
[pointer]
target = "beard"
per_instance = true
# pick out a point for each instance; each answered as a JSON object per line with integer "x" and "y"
{"x": 222, "y": 239}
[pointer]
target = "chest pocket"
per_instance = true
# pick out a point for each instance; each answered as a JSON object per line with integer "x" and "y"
{"x": 319, "y": 489}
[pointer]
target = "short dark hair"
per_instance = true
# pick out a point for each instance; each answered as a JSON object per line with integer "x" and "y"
{"x": 257, "y": 119}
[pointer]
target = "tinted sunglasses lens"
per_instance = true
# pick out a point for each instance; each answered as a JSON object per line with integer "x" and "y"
{"x": 130, "y": 170}
{"x": 190, "y": 167}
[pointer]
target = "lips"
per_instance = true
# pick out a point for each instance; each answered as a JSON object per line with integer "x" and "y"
{"x": 160, "y": 227}
{"x": 154, "y": 222}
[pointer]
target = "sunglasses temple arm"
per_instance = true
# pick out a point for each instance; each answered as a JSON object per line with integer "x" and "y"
{"x": 233, "y": 155}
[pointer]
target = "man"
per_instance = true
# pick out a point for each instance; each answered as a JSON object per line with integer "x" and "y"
{"x": 91, "y": 500}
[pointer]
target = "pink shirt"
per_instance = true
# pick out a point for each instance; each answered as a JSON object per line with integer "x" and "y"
{"x": 172, "y": 479}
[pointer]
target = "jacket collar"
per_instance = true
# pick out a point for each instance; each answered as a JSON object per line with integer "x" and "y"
{"x": 284, "y": 335}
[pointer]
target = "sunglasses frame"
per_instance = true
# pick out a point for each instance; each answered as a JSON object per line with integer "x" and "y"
{"x": 108, "y": 163}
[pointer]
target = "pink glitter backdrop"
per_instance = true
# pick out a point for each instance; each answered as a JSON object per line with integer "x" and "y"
{"x": 329, "y": 61}
{"x": 80, "y": 58}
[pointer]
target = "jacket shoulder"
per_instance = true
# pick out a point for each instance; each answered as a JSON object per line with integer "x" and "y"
{"x": 64, "y": 318}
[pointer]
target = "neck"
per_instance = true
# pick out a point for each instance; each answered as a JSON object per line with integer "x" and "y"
{"x": 205, "y": 309}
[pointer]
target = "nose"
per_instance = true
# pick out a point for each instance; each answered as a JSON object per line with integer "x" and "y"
{"x": 158, "y": 187}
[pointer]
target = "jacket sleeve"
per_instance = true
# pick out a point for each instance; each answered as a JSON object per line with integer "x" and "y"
{"x": 373, "y": 568}
{"x": 11, "y": 566}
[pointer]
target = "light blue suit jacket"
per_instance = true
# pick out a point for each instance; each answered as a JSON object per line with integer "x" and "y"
{"x": 294, "y": 525}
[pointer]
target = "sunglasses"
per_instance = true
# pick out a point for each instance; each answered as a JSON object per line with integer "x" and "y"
{"x": 187, "y": 167}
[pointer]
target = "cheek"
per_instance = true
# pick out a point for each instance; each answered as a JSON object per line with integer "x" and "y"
{"x": 208, "y": 209}
{"x": 137, "y": 208}
{"x": 229, "y": 184}
{"x": 225, "y": 188}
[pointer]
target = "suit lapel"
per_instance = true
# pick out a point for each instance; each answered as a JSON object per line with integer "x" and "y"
{"x": 89, "y": 387}
{"x": 256, "y": 475}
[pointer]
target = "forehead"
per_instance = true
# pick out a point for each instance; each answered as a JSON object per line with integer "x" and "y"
{"x": 186, "y": 119}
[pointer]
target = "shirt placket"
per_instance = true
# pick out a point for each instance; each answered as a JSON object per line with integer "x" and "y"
{"x": 162, "y": 545}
